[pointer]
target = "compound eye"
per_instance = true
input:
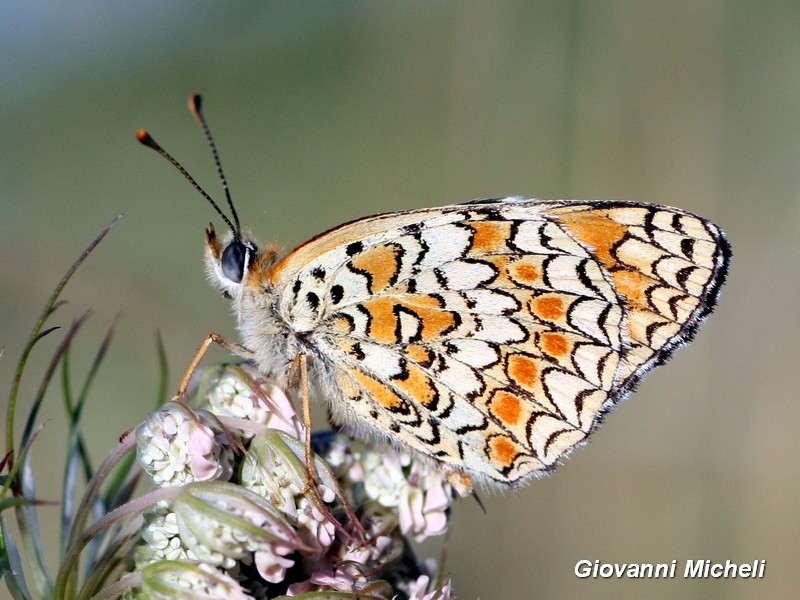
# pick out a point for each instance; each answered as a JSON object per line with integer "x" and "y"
{"x": 233, "y": 261}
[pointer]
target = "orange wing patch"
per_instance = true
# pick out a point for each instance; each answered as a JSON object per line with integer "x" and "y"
{"x": 548, "y": 306}
{"x": 597, "y": 230}
{"x": 507, "y": 407}
{"x": 523, "y": 371}
{"x": 384, "y": 315}
{"x": 503, "y": 451}
{"x": 435, "y": 320}
{"x": 419, "y": 354}
{"x": 554, "y": 344}
{"x": 525, "y": 270}
{"x": 383, "y": 320}
{"x": 381, "y": 265}
{"x": 382, "y": 394}
{"x": 490, "y": 237}
{"x": 417, "y": 385}
{"x": 633, "y": 285}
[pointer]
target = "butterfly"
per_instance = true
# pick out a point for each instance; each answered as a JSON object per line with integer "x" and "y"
{"x": 489, "y": 338}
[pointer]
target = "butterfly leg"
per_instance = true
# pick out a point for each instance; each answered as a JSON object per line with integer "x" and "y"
{"x": 304, "y": 392}
{"x": 300, "y": 365}
{"x": 298, "y": 374}
{"x": 212, "y": 337}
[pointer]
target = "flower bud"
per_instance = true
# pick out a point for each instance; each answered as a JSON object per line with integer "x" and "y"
{"x": 222, "y": 522}
{"x": 174, "y": 580}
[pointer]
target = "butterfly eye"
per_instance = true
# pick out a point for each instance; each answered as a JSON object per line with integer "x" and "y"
{"x": 233, "y": 261}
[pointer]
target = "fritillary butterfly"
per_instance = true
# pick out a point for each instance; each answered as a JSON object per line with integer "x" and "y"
{"x": 490, "y": 338}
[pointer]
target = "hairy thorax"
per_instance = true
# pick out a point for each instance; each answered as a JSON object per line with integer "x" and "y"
{"x": 265, "y": 333}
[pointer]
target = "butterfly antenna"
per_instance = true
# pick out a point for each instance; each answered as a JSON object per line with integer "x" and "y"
{"x": 147, "y": 140}
{"x": 195, "y": 106}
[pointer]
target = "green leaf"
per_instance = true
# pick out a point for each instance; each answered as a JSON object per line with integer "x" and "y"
{"x": 10, "y": 562}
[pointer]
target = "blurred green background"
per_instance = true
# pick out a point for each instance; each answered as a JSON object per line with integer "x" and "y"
{"x": 327, "y": 111}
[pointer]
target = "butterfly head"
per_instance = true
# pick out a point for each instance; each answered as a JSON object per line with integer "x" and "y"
{"x": 235, "y": 261}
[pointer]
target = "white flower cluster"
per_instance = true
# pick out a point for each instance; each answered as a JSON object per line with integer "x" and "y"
{"x": 421, "y": 496}
{"x": 177, "y": 446}
{"x": 243, "y": 393}
{"x": 247, "y": 519}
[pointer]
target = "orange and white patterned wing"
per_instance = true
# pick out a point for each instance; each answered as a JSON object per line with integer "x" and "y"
{"x": 493, "y": 336}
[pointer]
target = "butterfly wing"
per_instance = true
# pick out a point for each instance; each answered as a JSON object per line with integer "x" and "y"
{"x": 494, "y": 336}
